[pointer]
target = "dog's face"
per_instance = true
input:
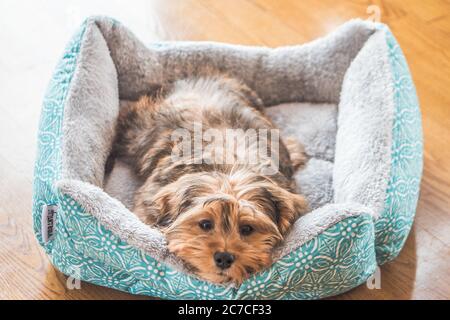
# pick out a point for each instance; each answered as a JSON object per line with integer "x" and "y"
{"x": 223, "y": 239}
{"x": 226, "y": 230}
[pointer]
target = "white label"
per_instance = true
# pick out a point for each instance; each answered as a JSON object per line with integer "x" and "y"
{"x": 48, "y": 221}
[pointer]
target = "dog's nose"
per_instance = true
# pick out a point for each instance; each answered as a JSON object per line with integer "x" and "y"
{"x": 223, "y": 259}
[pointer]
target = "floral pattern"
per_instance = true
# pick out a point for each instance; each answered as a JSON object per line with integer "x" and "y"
{"x": 335, "y": 261}
{"x": 48, "y": 161}
{"x": 393, "y": 226}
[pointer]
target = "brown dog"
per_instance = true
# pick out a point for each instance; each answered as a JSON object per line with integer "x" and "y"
{"x": 222, "y": 212}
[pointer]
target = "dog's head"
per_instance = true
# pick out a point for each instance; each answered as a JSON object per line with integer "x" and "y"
{"x": 225, "y": 228}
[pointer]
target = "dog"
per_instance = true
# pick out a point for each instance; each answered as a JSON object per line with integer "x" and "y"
{"x": 221, "y": 215}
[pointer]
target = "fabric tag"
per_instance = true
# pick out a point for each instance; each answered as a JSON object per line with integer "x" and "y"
{"x": 48, "y": 221}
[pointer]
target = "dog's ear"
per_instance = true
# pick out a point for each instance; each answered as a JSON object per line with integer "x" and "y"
{"x": 286, "y": 206}
{"x": 282, "y": 206}
{"x": 163, "y": 205}
{"x": 158, "y": 210}
{"x": 169, "y": 202}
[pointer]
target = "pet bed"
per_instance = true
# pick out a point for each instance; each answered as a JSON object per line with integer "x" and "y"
{"x": 348, "y": 96}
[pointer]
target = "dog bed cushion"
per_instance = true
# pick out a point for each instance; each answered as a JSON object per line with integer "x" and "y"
{"x": 348, "y": 97}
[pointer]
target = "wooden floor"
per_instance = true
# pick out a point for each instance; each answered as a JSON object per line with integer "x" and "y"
{"x": 33, "y": 34}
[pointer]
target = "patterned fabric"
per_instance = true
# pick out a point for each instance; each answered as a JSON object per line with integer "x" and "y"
{"x": 335, "y": 261}
{"x": 48, "y": 161}
{"x": 393, "y": 226}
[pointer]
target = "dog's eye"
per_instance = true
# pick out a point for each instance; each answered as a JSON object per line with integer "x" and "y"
{"x": 206, "y": 225}
{"x": 246, "y": 230}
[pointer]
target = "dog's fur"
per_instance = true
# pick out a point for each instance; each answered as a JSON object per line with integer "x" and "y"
{"x": 179, "y": 195}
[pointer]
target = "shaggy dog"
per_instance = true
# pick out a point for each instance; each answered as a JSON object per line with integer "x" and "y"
{"x": 223, "y": 203}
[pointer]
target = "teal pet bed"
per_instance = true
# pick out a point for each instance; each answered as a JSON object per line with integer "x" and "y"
{"x": 347, "y": 96}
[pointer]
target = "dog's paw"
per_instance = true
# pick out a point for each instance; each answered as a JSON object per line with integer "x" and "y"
{"x": 296, "y": 152}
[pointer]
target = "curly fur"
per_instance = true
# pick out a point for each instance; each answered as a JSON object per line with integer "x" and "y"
{"x": 180, "y": 193}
